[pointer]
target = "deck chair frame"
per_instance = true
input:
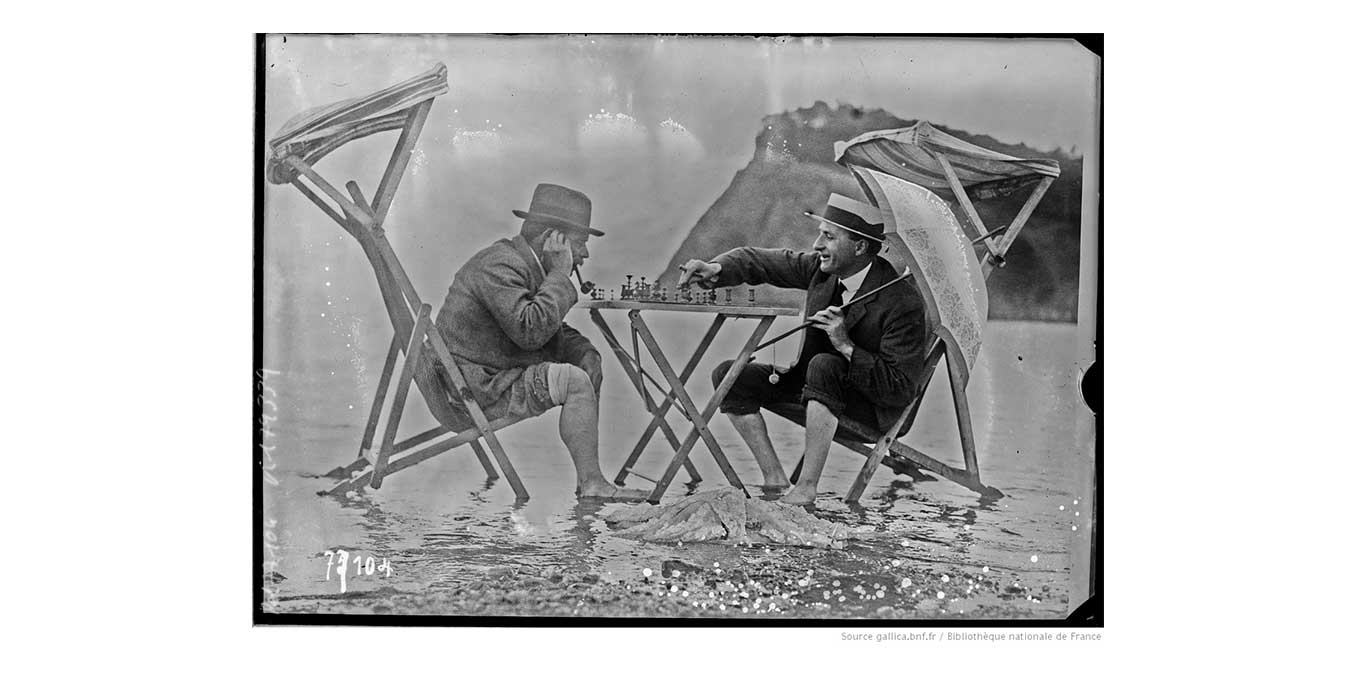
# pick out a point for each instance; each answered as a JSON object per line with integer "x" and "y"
{"x": 888, "y": 443}
{"x": 415, "y": 335}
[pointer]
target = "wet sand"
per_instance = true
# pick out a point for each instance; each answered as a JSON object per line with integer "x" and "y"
{"x": 458, "y": 545}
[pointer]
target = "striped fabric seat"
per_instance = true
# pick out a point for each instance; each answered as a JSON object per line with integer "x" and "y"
{"x": 314, "y": 133}
{"x": 910, "y": 153}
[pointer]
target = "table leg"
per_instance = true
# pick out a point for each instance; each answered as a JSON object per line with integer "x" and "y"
{"x": 700, "y": 418}
{"x": 663, "y": 408}
{"x": 658, "y": 420}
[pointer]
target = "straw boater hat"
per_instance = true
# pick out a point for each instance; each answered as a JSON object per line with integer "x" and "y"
{"x": 560, "y": 207}
{"x": 853, "y": 215}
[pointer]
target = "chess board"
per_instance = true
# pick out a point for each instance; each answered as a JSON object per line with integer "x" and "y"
{"x": 642, "y": 294}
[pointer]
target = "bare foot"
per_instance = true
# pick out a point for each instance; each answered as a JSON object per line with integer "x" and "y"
{"x": 799, "y": 497}
{"x": 609, "y": 492}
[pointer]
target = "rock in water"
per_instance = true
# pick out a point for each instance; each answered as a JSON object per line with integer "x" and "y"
{"x": 727, "y": 515}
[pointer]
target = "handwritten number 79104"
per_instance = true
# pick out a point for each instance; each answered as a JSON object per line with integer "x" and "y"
{"x": 361, "y": 566}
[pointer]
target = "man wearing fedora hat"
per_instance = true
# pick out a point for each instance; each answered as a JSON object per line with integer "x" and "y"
{"x": 863, "y": 363}
{"x": 504, "y": 322}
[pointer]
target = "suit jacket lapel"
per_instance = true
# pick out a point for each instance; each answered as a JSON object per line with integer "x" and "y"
{"x": 816, "y": 299}
{"x": 877, "y": 276}
{"x": 818, "y": 296}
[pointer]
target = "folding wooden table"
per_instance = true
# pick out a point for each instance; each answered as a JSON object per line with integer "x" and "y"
{"x": 676, "y": 391}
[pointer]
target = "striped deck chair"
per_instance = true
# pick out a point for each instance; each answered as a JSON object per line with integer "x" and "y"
{"x": 907, "y": 173}
{"x": 428, "y": 364}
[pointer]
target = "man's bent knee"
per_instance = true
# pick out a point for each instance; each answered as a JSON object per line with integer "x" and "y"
{"x": 719, "y": 373}
{"x": 568, "y": 381}
{"x": 826, "y": 368}
{"x": 824, "y": 381}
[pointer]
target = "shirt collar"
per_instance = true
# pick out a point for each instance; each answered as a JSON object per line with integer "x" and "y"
{"x": 854, "y": 282}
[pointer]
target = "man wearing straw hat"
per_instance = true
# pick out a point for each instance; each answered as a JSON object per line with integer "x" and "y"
{"x": 504, "y": 322}
{"x": 863, "y": 362}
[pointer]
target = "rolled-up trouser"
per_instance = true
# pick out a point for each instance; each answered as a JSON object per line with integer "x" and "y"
{"x": 824, "y": 379}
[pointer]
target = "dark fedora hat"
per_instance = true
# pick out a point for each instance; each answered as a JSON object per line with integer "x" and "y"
{"x": 560, "y": 207}
{"x": 853, "y": 215}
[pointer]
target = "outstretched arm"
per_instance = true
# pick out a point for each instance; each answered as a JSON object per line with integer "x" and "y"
{"x": 755, "y": 266}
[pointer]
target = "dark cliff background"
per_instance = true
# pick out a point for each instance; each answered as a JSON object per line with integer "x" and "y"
{"x": 792, "y": 170}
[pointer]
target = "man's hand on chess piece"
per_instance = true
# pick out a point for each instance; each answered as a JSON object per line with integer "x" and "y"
{"x": 697, "y": 271}
{"x": 556, "y": 253}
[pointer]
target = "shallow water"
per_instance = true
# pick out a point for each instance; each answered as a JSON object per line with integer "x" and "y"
{"x": 457, "y": 544}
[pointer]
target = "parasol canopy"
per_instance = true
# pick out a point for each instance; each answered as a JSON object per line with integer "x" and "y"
{"x": 911, "y": 153}
{"x": 921, "y": 229}
{"x": 314, "y": 133}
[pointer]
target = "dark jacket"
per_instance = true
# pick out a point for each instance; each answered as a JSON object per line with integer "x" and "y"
{"x": 889, "y": 329}
{"x": 503, "y": 314}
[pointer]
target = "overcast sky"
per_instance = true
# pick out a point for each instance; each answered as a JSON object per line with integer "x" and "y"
{"x": 653, "y": 130}
{"x": 1037, "y": 92}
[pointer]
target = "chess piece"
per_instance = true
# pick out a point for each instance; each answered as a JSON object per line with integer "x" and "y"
{"x": 729, "y": 297}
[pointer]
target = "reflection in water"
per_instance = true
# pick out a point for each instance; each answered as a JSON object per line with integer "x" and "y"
{"x": 444, "y": 528}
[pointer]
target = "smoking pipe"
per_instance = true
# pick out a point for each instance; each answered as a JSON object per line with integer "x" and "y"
{"x": 584, "y": 287}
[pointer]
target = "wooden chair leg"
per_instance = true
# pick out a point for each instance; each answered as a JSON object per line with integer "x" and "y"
{"x": 877, "y": 454}
{"x": 482, "y": 424}
{"x": 962, "y": 405}
{"x": 484, "y": 460}
{"x": 398, "y": 403}
{"x": 379, "y": 399}
{"x": 497, "y": 450}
